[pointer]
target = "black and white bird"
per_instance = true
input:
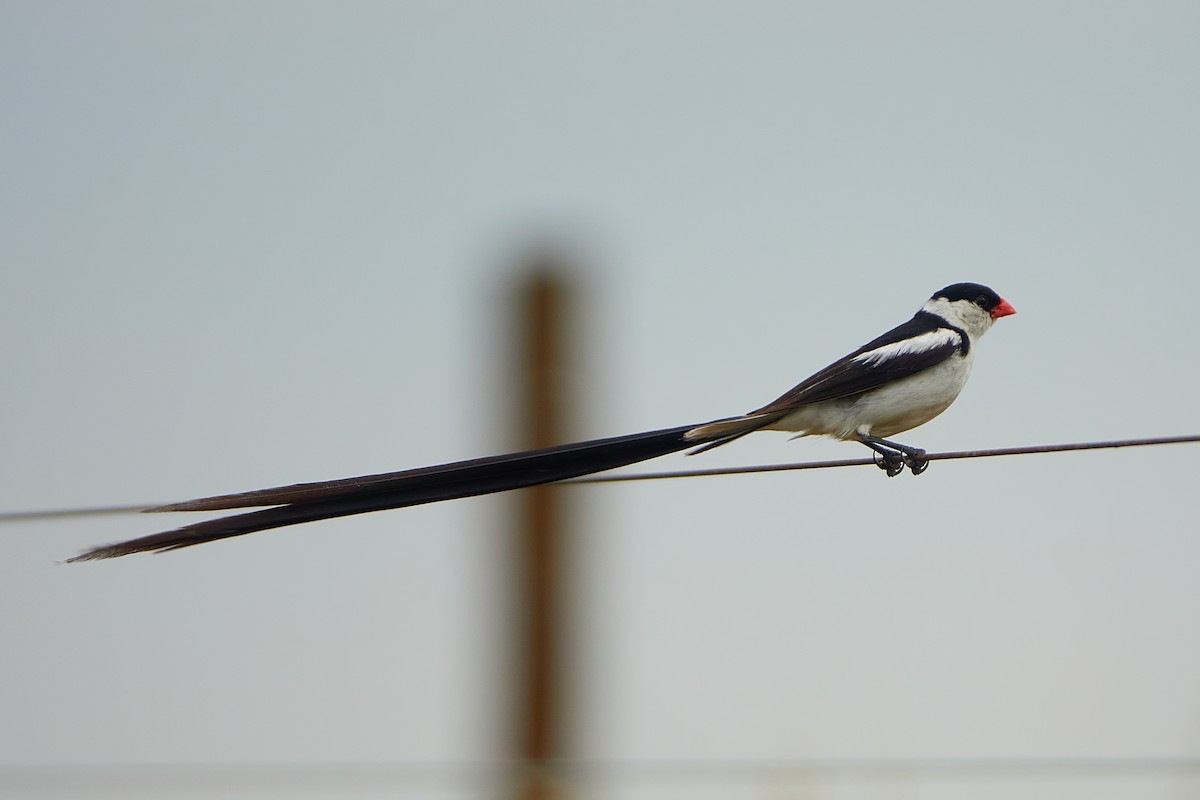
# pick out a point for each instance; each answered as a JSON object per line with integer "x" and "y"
{"x": 891, "y": 384}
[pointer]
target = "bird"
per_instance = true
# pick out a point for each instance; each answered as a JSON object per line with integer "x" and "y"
{"x": 892, "y": 384}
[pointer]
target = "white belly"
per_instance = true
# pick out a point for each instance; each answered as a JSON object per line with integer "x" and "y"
{"x": 886, "y": 411}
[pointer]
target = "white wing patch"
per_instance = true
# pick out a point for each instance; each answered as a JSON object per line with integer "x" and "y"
{"x": 918, "y": 344}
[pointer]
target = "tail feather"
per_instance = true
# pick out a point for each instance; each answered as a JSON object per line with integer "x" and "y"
{"x": 308, "y": 502}
{"x": 724, "y": 431}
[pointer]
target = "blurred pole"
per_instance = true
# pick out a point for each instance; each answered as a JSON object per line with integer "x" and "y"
{"x": 541, "y": 516}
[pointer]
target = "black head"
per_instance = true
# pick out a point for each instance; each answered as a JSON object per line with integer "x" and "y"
{"x": 976, "y": 293}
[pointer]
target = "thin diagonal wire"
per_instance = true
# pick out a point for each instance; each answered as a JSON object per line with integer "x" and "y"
{"x": 341, "y": 773}
{"x": 24, "y": 516}
{"x": 63, "y": 513}
{"x": 862, "y": 462}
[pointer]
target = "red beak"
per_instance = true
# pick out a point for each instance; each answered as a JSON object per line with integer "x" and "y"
{"x": 1003, "y": 310}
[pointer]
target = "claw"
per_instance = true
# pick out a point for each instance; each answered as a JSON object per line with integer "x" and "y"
{"x": 891, "y": 463}
{"x": 916, "y": 461}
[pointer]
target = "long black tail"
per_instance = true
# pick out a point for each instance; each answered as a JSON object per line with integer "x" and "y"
{"x": 307, "y": 502}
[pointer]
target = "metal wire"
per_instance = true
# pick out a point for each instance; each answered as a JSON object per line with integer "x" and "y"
{"x": 673, "y": 769}
{"x": 25, "y": 516}
{"x": 860, "y": 462}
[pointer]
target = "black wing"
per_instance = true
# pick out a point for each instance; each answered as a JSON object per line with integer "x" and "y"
{"x": 924, "y": 341}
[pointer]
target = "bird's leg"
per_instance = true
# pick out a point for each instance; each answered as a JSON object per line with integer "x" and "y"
{"x": 895, "y": 456}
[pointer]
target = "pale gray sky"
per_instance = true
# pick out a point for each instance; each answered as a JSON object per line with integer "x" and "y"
{"x": 257, "y": 243}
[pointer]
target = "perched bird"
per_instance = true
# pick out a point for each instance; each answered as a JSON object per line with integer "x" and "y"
{"x": 891, "y": 384}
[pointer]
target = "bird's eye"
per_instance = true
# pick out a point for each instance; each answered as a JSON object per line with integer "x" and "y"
{"x": 981, "y": 300}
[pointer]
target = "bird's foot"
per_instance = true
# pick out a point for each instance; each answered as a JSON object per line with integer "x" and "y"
{"x": 893, "y": 457}
{"x": 890, "y": 462}
{"x": 916, "y": 461}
